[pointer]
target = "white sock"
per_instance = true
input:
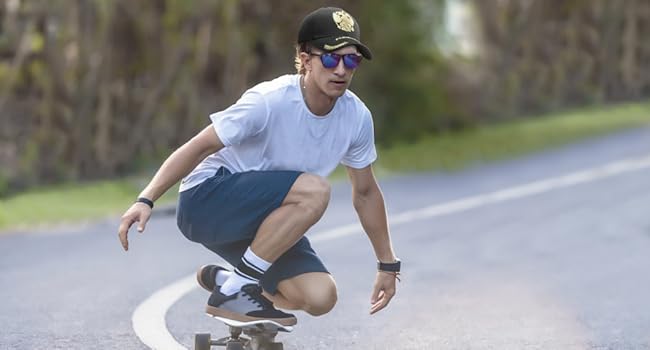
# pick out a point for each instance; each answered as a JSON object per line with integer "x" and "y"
{"x": 222, "y": 276}
{"x": 251, "y": 268}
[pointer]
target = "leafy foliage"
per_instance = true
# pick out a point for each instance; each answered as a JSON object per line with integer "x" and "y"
{"x": 95, "y": 89}
{"x": 545, "y": 55}
{"x": 404, "y": 85}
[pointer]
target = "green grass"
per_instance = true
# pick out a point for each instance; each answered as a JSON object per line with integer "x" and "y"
{"x": 71, "y": 203}
{"x": 78, "y": 202}
{"x": 453, "y": 151}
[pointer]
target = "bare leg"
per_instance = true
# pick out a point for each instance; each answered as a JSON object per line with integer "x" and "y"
{"x": 303, "y": 206}
{"x": 314, "y": 293}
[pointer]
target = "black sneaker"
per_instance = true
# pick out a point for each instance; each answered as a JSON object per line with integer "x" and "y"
{"x": 206, "y": 276}
{"x": 247, "y": 305}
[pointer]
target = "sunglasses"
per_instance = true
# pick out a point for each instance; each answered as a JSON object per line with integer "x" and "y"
{"x": 331, "y": 60}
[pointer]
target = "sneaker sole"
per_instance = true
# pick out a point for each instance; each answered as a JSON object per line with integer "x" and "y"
{"x": 198, "y": 278}
{"x": 215, "y": 311}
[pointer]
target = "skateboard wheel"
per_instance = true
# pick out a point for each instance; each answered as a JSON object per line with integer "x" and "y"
{"x": 202, "y": 341}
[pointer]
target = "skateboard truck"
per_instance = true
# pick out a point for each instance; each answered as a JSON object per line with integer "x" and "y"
{"x": 260, "y": 336}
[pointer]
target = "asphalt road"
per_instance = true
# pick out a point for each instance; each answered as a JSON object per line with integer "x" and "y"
{"x": 564, "y": 268}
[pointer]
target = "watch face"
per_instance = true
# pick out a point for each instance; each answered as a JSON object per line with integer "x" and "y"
{"x": 391, "y": 267}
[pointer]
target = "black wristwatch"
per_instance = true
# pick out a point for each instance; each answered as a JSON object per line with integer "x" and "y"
{"x": 146, "y": 201}
{"x": 389, "y": 267}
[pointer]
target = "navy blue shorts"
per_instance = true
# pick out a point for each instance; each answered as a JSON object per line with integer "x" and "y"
{"x": 224, "y": 212}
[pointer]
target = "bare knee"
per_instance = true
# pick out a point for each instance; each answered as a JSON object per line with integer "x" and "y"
{"x": 314, "y": 293}
{"x": 312, "y": 192}
{"x": 321, "y": 302}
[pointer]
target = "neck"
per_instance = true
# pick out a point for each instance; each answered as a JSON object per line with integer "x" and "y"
{"x": 317, "y": 102}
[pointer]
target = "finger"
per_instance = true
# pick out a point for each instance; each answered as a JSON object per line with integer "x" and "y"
{"x": 144, "y": 218}
{"x": 376, "y": 295}
{"x": 123, "y": 239}
{"x": 382, "y": 303}
{"x": 123, "y": 233}
{"x": 378, "y": 306}
{"x": 377, "y": 303}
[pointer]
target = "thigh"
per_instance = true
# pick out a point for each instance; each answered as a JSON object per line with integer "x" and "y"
{"x": 230, "y": 207}
{"x": 306, "y": 187}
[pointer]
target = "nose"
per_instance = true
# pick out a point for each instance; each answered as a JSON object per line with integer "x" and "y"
{"x": 340, "y": 68}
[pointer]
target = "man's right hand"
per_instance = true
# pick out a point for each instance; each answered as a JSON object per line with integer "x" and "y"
{"x": 139, "y": 212}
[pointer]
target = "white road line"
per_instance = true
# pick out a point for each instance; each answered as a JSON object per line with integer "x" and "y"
{"x": 149, "y": 317}
{"x": 516, "y": 192}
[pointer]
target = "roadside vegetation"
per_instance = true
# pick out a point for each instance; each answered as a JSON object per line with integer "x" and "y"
{"x": 95, "y": 90}
{"x": 74, "y": 202}
{"x": 455, "y": 150}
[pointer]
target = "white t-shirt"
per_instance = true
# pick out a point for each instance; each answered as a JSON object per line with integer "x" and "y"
{"x": 271, "y": 128}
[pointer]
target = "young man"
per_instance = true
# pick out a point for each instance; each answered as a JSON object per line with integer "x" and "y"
{"x": 256, "y": 182}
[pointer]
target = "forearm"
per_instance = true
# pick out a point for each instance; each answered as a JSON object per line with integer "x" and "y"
{"x": 372, "y": 214}
{"x": 181, "y": 162}
{"x": 177, "y": 165}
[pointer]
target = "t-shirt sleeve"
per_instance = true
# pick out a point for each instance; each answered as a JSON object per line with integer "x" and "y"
{"x": 244, "y": 119}
{"x": 362, "y": 152}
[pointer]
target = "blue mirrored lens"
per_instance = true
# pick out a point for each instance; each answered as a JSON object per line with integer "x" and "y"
{"x": 330, "y": 60}
{"x": 351, "y": 61}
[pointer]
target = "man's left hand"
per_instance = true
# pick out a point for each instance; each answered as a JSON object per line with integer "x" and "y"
{"x": 383, "y": 290}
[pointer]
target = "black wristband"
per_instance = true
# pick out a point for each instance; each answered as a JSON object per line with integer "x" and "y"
{"x": 389, "y": 267}
{"x": 146, "y": 201}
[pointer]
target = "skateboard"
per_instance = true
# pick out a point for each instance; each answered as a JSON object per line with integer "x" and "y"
{"x": 261, "y": 336}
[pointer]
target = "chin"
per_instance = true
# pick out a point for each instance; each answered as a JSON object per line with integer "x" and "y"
{"x": 337, "y": 93}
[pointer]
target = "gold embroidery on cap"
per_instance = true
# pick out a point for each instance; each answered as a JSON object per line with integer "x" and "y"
{"x": 334, "y": 47}
{"x": 343, "y": 21}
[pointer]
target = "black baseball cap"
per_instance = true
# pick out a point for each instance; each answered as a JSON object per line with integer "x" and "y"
{"x": 331, "y": 28}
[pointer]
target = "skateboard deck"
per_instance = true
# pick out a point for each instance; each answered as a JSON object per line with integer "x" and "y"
{"x": 261, "y": 336}
{"x": 263, "y": 325}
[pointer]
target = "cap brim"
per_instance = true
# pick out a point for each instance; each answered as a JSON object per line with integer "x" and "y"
{"x": 330, "y": 44}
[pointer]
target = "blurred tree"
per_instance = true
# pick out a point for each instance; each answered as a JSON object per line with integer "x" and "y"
{"x": 403, "y": 85}
{"x": 544, "y": 55}
{"x": 95, "y": 88}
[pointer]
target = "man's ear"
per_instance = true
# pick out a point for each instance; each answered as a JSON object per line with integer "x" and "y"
{"x": 306, "y": 60}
